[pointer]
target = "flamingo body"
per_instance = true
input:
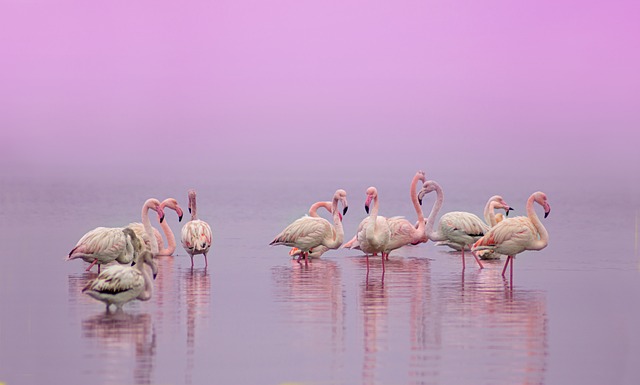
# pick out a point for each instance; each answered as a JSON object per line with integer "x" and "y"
{"x": 196, "y": 237}
{"x": 120, "y": 284}
{"x": 104, "y": 245}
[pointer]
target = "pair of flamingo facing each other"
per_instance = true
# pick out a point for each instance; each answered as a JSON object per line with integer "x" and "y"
{"x": 105, "y": 245}
{"x": 310, "y": 232}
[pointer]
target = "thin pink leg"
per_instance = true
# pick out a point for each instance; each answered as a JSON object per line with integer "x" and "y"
{"x": 206, "y": 263}
{"x": 463, "y": 262}
{"x": 511, "y": 271}
{"x": 477, "y": 260}
{"x": 191, "y": 260}
{"x": 383, "y": 256}
{"x": 504, "y": 269}
{"x": 91, "y": 265}
{"x": 367, "y": 256}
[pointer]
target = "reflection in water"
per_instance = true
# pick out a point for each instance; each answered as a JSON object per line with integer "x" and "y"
{"x": 197, "y": 293}
{"x": 313, "y": 295}
{"x": 118, "y": 336}
{"x": 373, "y": 303}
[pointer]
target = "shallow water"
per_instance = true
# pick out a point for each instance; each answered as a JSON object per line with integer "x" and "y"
{"x": 256, "y": 317}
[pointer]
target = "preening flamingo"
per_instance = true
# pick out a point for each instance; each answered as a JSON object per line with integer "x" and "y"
{"x": 308, "y": 232}
{"x": 374, "y": 232}
{"x": 316, "y": 252}
{"x": 138, "y": 227}
{"x": 196, "y": 234}
{"x": 515, "y": 235}
{"x": 104, "y": 245}
{"x": 119, "y": 284}
{"x": 456, "y": 227}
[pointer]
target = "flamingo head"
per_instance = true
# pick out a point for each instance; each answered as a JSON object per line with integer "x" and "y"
{"x": 372, "y": 194}
{"x": 173, "y": 204}
{"x": 504, "y": 205}
{"x": 541, "y": 199}
{"x": 427, "y": 187}
{"x": 192, "y": 200}
{"x": 341, "y": 196}
{"x": 158, "y": 209}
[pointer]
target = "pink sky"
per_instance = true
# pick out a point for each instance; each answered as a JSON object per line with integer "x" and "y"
{"x": 305, "y": 84}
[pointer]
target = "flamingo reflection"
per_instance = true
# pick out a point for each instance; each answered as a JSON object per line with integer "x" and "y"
{"x": 117, "y": 336}
{"x": 197, "y": 294}
{"x": 313, "y": 296}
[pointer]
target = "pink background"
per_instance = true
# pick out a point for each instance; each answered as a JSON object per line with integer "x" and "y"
{"x": 287, "y": 86}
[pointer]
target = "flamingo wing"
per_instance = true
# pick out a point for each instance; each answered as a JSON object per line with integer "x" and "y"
{"x": 100, "y": 243}
{"x": 196, "y": 234}
{"x": 510, "y": 236}
{"x": 304, "y": 233}
{"x": 116, "y": 279}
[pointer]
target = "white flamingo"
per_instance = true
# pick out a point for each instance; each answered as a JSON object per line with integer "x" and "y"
{"x": 316, "y": 252}
{"x": 515, "y": 235}
{"x": 104, "y": 245}
{"x": 119, "y": 284}
{"x": 309, "y": 232}
{"x": 456, "y": 227}
{"x": 196, "y": 234}
{"x": 373, "y": 233}
{"x": 138, "y": 227}
{"x": 402, "y": 231}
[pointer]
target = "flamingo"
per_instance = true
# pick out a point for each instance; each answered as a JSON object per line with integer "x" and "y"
{"x": 316, "y": 252}
{"x": 490, "y": 218}
{"x": 515, "y": 235}
{"x": 104, "y": 245}
{"x": 138, "y": 227}
{"x": 373, "y": 233}
{"x": 402, "y": 231}
{"x": 310, "y": 232}
{"x": 119, "y": 284}
{"x": 456, "y": 227}
{"x": 196, "y": 234}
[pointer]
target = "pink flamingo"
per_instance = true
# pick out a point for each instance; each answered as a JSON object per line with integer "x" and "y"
{"x": 104, "y": 245}
{"x": 316, "y": 252}
{"x": 515, "y": 235}
{"x": 374, "y": 233}
{"x": 456, "y": 227}
{"x": 138, "y": 227}
{"x": 309, "y": 232}
{"x": 196, "y": 234}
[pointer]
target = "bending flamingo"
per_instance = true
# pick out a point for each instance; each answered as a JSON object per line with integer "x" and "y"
{"x": 104, "y": 245}
{"x": 402, "y": 231}
{"x": 515, "y": 235}
{"x": 138, "y": 227}
{"x": 196, "y": 234}
{"x": 456, "y": 227}
{"x": 119, "y": 284}
{"x": 316, "y": 252}
{"x": 374, "y": 232}
{"x": 309, "y": 232}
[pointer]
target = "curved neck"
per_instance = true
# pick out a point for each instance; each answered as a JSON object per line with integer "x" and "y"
{"x": 490, "y": 213}
{"x": 416, "y": 204}
{"x": 171, "y": 239}
{"x": 148, "y": 281}
{"x": 434, "y": 235}
{"x": 544, "y": 236}
{"x": 148, "y": 229}
{"x": 337, "y": 222}
{"x": 373, "y": 215}
{"x": 313, "y": 210}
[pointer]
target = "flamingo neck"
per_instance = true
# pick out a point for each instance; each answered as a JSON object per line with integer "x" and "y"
{"x": 192, "y": 206}
{"x": 543, "y": 240}
{"x": 148, "y": 281}
{"x": 416, "y": 204}
{"x": 373, "y": 216}
{"x": 490, "y": 213}
{"x": 435, "y": 235}
{"x": 146, "y": 223}
{"x": 313, "y": 210}
{"x": 171, "y": 239}
{"x": 337, "y": 222}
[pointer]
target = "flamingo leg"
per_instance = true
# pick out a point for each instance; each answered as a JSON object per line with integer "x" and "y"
{"x": 511, "y": 272}
{"x": 91, "y": 265}
{"x": 383, "y": 257}
{"x": 504, "y": 269}
{"x": 367, "y": 256}
{"x": 477, "y": 260}
{"x": 206, "y": 263}
{"x": 191, "y": 255}
{"x": 463, "y": 262}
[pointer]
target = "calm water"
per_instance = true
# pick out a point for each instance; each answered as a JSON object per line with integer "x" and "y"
{"x": 256, "y": 317}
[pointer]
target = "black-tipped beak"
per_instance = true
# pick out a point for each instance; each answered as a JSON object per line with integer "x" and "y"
{"x": 189, "y": 210}
{"x": 344, "y": 211}
{"x": 161, "y": 219}
{"x": 133, "y": 263}
{"x": 155, "y": 275}
{"x": 420, "y": 201}
{"x": 366, "y": 208}
{"x": 546, "y": 213}
{"x": 509, "y": 209}
{"x": 180, "y": 218}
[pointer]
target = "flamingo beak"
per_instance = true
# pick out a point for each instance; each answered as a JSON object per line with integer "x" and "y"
{"x": 547, "y": 209}
{"x": 366, "y": 208}
{"x": 189, "y": 209}
{"x": 509, "y": 209}
{"x": 161, "y": 217}
{"x": 155, "y": 275}
{"x": 344, "y": 211}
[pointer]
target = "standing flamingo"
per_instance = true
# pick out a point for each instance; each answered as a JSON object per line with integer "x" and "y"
{"x": 104, "y": 245}
{"x": 196, "y": 234}
{"x": 402, "y": 231}
{"x": 316, "y": 252}
{"x": 309, "y": 232}
{"x": 515, "y": 235}
{"x": 119, "y": 284}
{"x": 374, "y": 232}
{"x": 138, "y": 227}
{"x": 456, "y": 227}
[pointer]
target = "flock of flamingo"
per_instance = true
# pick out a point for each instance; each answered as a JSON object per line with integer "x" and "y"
{"x": 129, "y": 251}
{"x": 311, "y": 235}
